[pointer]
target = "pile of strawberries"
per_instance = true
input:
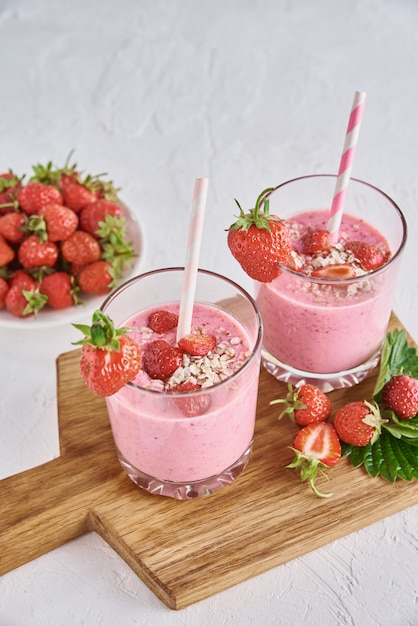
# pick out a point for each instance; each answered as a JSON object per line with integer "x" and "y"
{"x": 62, "y": 235}
{"x": 317, "y": 445}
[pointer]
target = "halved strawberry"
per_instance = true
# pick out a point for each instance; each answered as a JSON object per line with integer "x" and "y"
{"x": 317, "y": 447}
{"x": 316, "y": 241}
{"x": 338, "y": 271}
{"x": 193, "y": 404}
{"x": 197, "y": 344}
{"x": 161, "y": 360}
{"x": 162, "y": 321}
{"x": 368, "y": 255}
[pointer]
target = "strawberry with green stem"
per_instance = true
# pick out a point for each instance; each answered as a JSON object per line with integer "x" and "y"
{"x": 317, "y": 449}
{"x": 358, "y": 423}
{"x": 110, "y": 357}
{"x": 260, "y": 241}
{"x": 305, "y": 405}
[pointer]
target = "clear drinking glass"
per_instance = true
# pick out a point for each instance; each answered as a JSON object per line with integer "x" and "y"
{"x": 324, "y": 332}
{"x": 190, "y": 444}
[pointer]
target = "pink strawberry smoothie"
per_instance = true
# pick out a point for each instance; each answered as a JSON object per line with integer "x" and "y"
{"x": 315, "y": 326}
{"x": 183, "y": 437}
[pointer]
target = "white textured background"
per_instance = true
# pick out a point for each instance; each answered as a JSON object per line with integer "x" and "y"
{"x": 248, "y": 93}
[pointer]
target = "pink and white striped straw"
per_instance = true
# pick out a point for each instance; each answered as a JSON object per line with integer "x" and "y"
{"x": 192, "y": 257}
{"x": 347, "y": 158}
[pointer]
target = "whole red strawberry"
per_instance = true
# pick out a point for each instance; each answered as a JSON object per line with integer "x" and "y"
{"x": 35, "y": 253}
{"x": 12, "y": 226}
{"x": 96, "y": 278}
{"x": 24, "y": 299}
{"x": 305, "y": 405}
{"x": 368, "y": 255}
{"x": 197, "y": 344}
{"x": 260, "y": 241}
{"x": 358, "y": 423}
{"x": 161, "y": 360}
{"x": 81, "y": 248}
{"x": 77, "y": 195}
{"x": 162, "y": 321}
{"x": 59, "y": 289}
{"x": 4, "y": 287}
{"x": 7, "y": 253}
{"x": 110, "y": 358}
{"x": 10, "y": 185}
{"x": 400, "y": 395}
{"x": 33, "y": 196}
{"x": 60, "y": 221}
{"x": 23, "y": 279}
{"x": 317, "y": 447}
{"x": 92, "y": 215}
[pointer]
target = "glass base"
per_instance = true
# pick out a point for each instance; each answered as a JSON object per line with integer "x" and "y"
{"x": 186, "y": 490}
{"x": 326, "y": 382}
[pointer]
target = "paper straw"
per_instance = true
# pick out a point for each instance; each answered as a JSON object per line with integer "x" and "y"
{"x": 192, "y": 257}
{"x": 346, "y": 163}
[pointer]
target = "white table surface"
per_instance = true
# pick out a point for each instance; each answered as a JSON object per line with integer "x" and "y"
{"x": 248, "y": 93}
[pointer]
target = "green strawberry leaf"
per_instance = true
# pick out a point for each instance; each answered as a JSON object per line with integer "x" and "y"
{"x": 397, "y": 357}
{"x": 395, "y": 453}
{"x": 388, "y": 457}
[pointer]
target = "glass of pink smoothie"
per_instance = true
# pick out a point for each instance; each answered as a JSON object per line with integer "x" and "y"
{"x": 188, "y": 444}
{"x": 329, "y": 332}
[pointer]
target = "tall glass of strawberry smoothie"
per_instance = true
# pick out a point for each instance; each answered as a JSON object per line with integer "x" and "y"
{"x": 186, "y": 433}
{"x": 325, "y": 316}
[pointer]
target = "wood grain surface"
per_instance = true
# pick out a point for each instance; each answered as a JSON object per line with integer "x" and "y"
{"x": 186, "y": 551}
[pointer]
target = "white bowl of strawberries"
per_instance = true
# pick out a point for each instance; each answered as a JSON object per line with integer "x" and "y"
{"x": 66, "y": 241}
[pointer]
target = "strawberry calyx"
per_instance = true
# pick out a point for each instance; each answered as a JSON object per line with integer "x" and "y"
{"x": 255, "y": 217}
{"x": 35, "y": 301}
{"x": 102, "y": 333}
{"x": 309, "y": 467}
{"x": 291, "y": 401}
{"x": 374, "y": 419}
{"x": 116, "y": 250}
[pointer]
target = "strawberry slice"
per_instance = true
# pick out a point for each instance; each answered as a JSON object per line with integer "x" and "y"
{"x": 161, "y": 360}
{"x": 316, "y": 241}
{"x": 162, "y": 321}
{"x": 317, "y": 447}
{"x": 338, "y": 271}
{"x": 368, "y": 255}
{"x": 192, "y": 405}
{"x": 197, "y": 344}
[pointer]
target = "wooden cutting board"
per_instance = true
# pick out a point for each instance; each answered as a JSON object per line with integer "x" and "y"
{"x": 186, "y": 551}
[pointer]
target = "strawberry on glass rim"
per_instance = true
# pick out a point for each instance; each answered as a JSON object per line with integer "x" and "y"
{"x": 109, "y": 357}
{"x": 260, "y": 241}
